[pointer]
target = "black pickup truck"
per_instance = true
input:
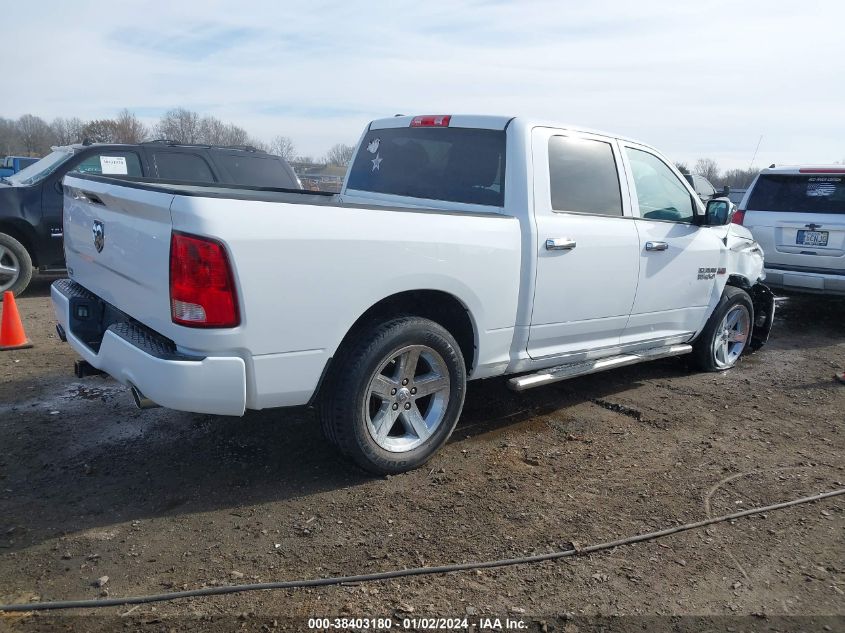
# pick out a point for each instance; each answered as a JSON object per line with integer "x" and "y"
{"x": 31, "y": 200}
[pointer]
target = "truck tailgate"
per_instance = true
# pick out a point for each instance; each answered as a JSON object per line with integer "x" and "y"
{"x": 117, "y": 245}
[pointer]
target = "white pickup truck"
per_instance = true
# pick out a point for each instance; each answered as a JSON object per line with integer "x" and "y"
{"x": 460, "y": 247}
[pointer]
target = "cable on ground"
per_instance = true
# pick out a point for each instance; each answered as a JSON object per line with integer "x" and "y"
{"x": 403, "y": 573}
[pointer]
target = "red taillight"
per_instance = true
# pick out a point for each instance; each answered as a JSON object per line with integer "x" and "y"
{"x": 824, "y": 170}
{"x": 202, "y": 288}
{"x": 431, "y": 120}
{"x": 739, "y": 217}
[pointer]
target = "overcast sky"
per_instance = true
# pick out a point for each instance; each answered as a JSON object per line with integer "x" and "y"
{"x": 706, "y": 78}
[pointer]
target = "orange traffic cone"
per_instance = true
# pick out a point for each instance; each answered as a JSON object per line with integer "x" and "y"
{"x": 12, "y": 335}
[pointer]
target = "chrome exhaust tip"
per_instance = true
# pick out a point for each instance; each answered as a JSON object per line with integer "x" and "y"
{"x": 141, "y": 401}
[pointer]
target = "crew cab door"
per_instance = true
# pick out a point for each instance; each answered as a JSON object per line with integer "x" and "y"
{"x": 678, "y": 259}
{"x": 587, "y": 245}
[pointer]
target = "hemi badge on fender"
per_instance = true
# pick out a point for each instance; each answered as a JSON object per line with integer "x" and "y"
{"x": 721, "y": 271}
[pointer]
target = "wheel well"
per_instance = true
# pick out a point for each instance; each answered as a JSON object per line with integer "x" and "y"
{"x": 740, "y": 282}
{"x": 440, "y": 307}
{"x": 13, "y": 231}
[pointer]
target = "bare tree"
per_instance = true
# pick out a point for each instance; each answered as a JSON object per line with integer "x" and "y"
{"x": 682, "y": 167}
{"x": 67, "y": 131}
{"x": 128, "y": 129}
{"x": 180, "y": 125}
{"x": 212, "y": 130}
{"x": 100, "y": 131}
{"x": 258, "y": 144}
{"x": 9, "y": 141}
{"x": 708, "y": 168}
{"x": 35, "y": 135}
{"x": 235, "y": 135}
{"x": 339, "y": 154}
{"x": 283, "y": 146}
{"x": 738, "y": 178}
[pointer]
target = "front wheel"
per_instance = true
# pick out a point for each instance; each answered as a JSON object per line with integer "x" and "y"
{"x": 394, "y": 396}
{"x": 15, "y": 266}
{"x": 727, "y": 333}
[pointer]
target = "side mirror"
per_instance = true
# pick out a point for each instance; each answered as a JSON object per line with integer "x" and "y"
{"x": 719, "y": 212}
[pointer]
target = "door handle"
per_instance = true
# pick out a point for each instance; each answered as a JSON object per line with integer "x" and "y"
{"x": 560, "y": 244}
{"x": 656, "y": 246}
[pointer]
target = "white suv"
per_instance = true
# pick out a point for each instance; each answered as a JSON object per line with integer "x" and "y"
{"x": 797, "y": 215}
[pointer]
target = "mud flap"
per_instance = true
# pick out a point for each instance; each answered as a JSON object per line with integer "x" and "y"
{"x": 764, "y": 315}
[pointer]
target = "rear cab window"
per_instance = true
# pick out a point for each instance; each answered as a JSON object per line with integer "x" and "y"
{"x": 453, "y": 164}
{"x": 798, "y": 193}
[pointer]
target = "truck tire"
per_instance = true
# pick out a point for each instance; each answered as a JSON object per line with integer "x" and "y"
{"x": 727, "y": 333}
{"x": 394, "y": 395}
{"x": 15, "y": 266}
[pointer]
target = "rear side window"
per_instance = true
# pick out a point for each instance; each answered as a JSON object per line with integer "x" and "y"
{"x": 111, "y": 163}
{"x": 182, "y": 166}
{"x": 453, "y": 164}
{"x": 798, "y": 193}
{"x": 583, "y": 176}
{"x": 256, "y": 171}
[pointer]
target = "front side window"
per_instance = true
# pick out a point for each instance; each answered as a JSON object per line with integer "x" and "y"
{"x": 111, "y": 163}
{"x": 660, "y": 194}
{"x": 583, "y": 177}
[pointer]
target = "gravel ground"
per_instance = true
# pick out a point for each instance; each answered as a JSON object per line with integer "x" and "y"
{"x": 159, "y": 500}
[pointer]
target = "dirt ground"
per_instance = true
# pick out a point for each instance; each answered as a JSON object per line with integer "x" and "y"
{"x": 161, "y": 500}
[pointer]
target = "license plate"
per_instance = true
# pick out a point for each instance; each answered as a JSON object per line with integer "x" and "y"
{"x": 812, "y": 238}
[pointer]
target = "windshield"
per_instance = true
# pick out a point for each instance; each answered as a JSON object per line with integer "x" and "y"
{"x": 454, "y": 164}
{"x": 41, "y": 169}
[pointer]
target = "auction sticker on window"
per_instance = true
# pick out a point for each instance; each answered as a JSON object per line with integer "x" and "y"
{"x": 113, "y": 165}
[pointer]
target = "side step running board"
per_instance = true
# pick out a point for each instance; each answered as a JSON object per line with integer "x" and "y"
{"x": 564, "y": 372}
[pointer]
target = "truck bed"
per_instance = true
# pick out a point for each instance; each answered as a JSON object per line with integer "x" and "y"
{"x": 306, "y": 267}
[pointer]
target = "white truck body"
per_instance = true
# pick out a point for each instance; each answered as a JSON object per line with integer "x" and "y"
{"x": 541, "y": 288}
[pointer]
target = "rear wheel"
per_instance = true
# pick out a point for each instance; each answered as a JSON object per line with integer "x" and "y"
{"x": 395, "y": 395}
{"x": 727, "y": 333}
{"x": 15, "y": 266}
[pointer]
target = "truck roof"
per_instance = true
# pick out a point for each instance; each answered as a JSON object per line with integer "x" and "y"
{"x": 73, "y": 147}
{"x": 492, "y": 122}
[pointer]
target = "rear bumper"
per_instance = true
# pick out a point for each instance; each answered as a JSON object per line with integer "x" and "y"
{"x": 804, "y": 281}
{"x": 136, "y": 357}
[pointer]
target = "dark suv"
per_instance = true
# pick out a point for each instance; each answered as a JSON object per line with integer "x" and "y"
{"x": 31, "y": 200}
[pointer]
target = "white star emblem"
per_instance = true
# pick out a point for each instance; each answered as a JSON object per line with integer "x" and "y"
{"x": 377, "y": 163}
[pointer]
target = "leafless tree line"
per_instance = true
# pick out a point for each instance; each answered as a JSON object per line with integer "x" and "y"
{"x": 31, "y": 135}
{"x": 709, "y": 168}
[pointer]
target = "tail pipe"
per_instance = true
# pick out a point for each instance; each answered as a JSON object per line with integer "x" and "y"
{"x": 142, "y": 401}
